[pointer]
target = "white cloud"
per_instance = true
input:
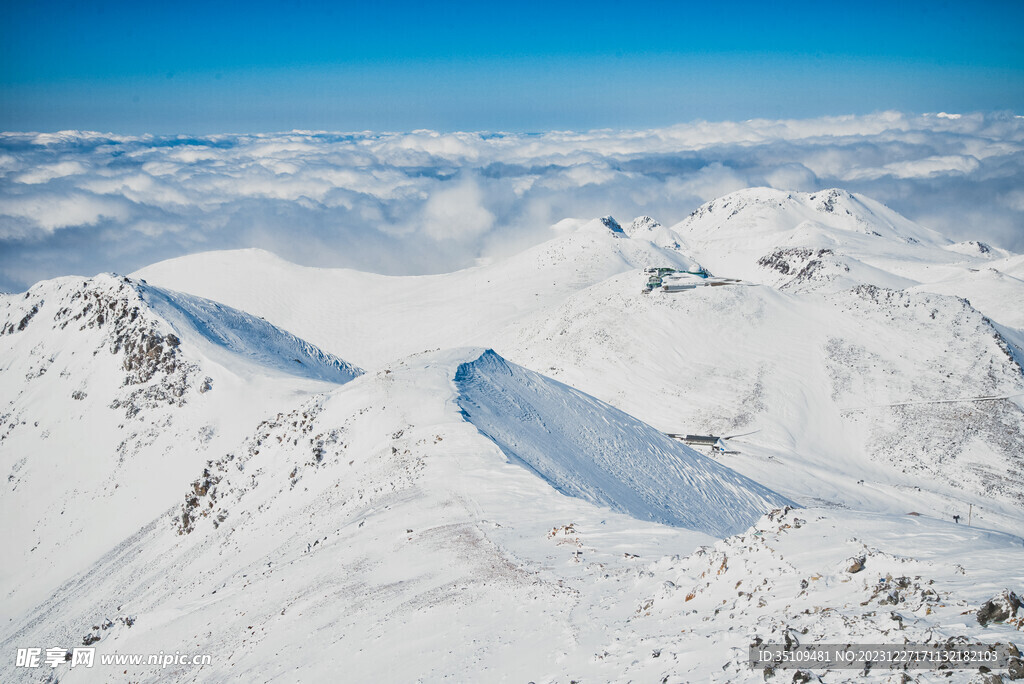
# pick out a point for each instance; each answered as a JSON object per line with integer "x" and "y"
{"x": 919, "y": 168}
{"x": 47, "y": 172}
{"x": 793, "y": 176}
{"x": 426, "y": 201}
{"x": 50, "y": 212}
{"x": 457, "y": 212}
{"x": 1014, "y": 200}
{"x": 710, "y": 182}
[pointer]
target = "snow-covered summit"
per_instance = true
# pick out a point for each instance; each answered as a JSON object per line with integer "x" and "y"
{"x": 646, "y": 228}
{"x": 760, "y": 211}
{"x": 151, "y": 323}
{"x": 224, "y": 333}
{"x": 640, "y": 225}
{"x": 826, "y": 240}
{"x": 400, "y": 315}
{"x": 113, "y": 393}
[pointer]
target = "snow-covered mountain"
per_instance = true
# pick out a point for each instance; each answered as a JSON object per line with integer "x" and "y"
{"x": 866, "y": 398}
{"x": 827, "y": 240}
{"x": 114, "y": 393}
{"x": 387, "y": 480}
{"x": 380, "y": 522}
{"x": 495, "y": 498}
{"x": 372, "y": 319}
{"x": 843, "y": 377}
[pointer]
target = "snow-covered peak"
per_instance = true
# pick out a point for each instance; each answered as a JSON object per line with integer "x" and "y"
{"x": 604, "y": 225}
{"x": 646, "y": 228}
{"x": 769, "y": 211}
{"x": 640, "y": 225}
{"x": 975, "y": 248}
{"x": 226, "y": 334}
{"x": 149, "y": 324}
{"x": 612, "y": 225}
{"x": 113, "y": 393}
{"x": 759, "y": 234}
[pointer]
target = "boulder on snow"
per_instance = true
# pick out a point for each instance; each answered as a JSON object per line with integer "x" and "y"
{"x": 987, "y": 678}
{"x": 1015, "y": 669}
{"x": 856, "y": 564}
{"x": 999, "y": 608}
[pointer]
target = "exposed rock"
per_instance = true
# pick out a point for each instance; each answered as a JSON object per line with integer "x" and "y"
{"x": 999, "y": 608}
{"x": 790, "y": 639}
{"x": 987, "y": 678}
{"x": 803, "y": 268}
{"x": 613, "y": 225}
{"x": 1015, "y": 669}
{"x": 28, "y": 317}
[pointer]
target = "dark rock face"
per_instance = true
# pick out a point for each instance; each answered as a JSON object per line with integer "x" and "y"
{"x": 28, "y": 317}
{"x": 803, "y": 265}
{"x": 613, "y": 225}
{"x": 203, "y": 489}
{"x": 156, "y": 373}
{"x": 999, "y": 608}
{"x": 1015, "y": 670}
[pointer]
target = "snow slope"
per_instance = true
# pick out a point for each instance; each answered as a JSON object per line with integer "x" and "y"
{"x": 840, "y": 391}
{"x": 379, "y": 495}
{"x": 372, "y": 319}
{"x": 224, "y": 332}
{"x": 996, "y": 289}
{"x": 839, "y": 358}
{"x": 590, "y": 450}
{"x": 375, "y": 524}
{"x": 113, "y": 393}
{"x": 181, "y": 483}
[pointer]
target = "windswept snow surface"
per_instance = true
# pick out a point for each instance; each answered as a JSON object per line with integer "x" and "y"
{"x": 180, "y": 483}
{"x": 371, "y": 319}
{"x": 113, "y": 394}
{"x": 587, "y": 449}
{"x": 372, "y": 530}
{"x": 823, "y": 383}
{"x": 226, "y": 331}
{"x": 826, "y": 352}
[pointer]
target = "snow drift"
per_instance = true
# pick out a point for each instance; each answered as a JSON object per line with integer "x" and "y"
{"x": 590, "y": 450}
{"x": 222, "y": 329}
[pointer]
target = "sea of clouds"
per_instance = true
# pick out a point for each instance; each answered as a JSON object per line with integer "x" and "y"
{"x": 82, "y": 202}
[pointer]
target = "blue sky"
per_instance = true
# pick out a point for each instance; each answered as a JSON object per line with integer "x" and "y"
{"x": 189, "y": 67}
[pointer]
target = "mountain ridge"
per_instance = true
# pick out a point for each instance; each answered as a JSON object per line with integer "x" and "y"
{"x": 495, "y": 494}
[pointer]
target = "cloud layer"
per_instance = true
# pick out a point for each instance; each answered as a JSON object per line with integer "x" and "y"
{"x": 421, "y": 202}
